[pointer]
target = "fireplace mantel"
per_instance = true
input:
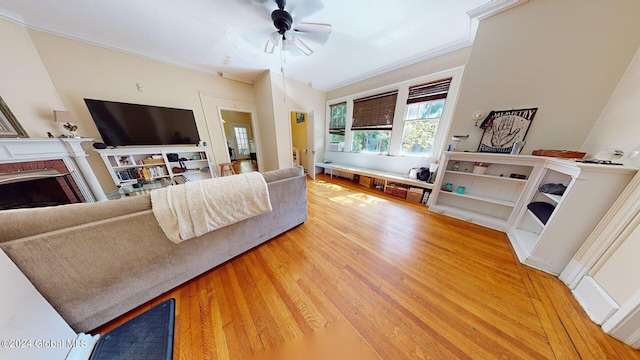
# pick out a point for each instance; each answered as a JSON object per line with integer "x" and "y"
{"x": 68, "y": 150}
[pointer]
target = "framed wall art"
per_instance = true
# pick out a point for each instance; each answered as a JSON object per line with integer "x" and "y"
{"x": 9, "y": 125}
{"x": 504, "y": 127}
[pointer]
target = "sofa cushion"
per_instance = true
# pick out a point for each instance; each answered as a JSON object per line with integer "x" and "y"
{"x": 275, "y": 175}
{"x": 20, "y": 223}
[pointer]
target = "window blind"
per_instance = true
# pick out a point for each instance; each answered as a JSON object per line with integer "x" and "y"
{"x": 338, "y": 118}
{"x": 374, "y": 112}
{"x": 431, "y": 91}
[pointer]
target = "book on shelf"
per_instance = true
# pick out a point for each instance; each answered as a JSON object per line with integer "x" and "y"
{"x": 180, "y": 179}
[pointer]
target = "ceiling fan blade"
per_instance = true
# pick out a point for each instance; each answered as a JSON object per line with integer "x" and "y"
{"x": 304, "y": 8}
{"x": 312, "y": 27}
{"x": 302, "y": 46}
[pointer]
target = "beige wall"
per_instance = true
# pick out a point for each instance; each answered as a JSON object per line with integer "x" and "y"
{"x": 564, "y": 57}
{"x": 294, "y": 96}
{"x": 81, "y": 70}
{"x": 420, "y": 69}
{"x": 266, "y": 122}
{"x": 618, "y": 126}
{"x": 25, "y": 84}
{"x": 302, "y": 97}
{"x": 618, "y": 276}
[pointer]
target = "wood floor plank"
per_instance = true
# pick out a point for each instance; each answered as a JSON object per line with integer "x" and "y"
{"x": 266, "y": 327}
{"x": 304, "y": 313}
{"x": 241, "y": 321}
{"x": 390, "y": 276}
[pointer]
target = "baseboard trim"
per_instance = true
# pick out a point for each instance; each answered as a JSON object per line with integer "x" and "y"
{"x": 598, "y": 305}
{"x": 543, "y": 265}
{"x": 625, "y": 323}
{"x": 573, "y": 273}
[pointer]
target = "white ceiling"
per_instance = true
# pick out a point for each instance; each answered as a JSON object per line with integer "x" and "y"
{"x": 228, "y": 36}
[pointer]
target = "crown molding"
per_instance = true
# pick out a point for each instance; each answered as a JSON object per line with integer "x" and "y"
{"x": 480, "y": 13}
{"x": 494, "y": 7}
{"x": 447, "y": 48}
{"x": 485, "y": 11}
{"x": 48, "y": 29}
{"x": 12, "y": 17}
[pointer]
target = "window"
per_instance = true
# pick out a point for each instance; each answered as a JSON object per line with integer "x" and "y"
{"x": 372, "y": 122}
{"x": 337, "y": 122}
{"x": 242, "y": 140}
{"x": 422, "y": 117}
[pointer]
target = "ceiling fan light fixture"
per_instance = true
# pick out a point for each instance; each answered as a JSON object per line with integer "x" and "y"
{"x": 269, "y": 47}
{"x": 275, "y": 38}
{"x": 286, "y": 45}
{"x": 285, "y": 36}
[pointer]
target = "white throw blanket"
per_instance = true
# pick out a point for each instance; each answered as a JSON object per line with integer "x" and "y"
{"x": 195, "y": 208}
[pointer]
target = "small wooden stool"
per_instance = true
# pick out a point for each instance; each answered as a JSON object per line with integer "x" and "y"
{"x": 228, "y": 167}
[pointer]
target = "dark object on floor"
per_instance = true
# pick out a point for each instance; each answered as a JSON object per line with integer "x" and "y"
{"x": 148, "y": 336}
{"x": 555, "y": 189}
{"x": 541, "y": 210}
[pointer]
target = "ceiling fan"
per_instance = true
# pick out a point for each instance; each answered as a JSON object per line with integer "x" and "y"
{"x": 288, "y": 35}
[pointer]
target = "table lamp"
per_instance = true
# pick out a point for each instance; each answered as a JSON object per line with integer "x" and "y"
{"x": 69, "y": 120}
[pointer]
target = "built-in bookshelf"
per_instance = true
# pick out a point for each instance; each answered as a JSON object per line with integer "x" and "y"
{"x": 508, "y": 194}
{"x": 152, "y": 167}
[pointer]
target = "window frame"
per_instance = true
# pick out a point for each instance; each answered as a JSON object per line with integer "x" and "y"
{"x": 444, "y": 126}
{"x": 340, "y": 131}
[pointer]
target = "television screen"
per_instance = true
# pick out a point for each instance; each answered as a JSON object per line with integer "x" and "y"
{"x": 122, "y": 124}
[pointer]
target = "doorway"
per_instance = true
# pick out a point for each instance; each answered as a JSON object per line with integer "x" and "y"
{"x": 301, "y": 138}
{"x": 240, "y": 140}
{"x": 216, "y": 135}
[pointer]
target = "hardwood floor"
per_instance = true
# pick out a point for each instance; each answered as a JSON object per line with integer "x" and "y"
{"x": 373, "y": 277}
{"x": 244, "y": 166}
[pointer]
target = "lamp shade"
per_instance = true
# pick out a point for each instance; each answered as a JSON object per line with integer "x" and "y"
{"x": 63, "y": 116}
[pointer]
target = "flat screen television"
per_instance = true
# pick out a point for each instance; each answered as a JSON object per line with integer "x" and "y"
{"x": 122, "y": 124}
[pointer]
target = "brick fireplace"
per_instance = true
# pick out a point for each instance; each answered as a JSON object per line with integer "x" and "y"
{"x": 37, "y": 184}
{"x": 45, "y": 172}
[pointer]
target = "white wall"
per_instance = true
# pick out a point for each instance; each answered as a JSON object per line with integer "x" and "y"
{"x": 27, "y": 317}
{"x": 564, "y": 57}
{"x": 25, "y": 84}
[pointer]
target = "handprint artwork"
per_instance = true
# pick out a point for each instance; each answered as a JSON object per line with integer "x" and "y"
{"x": 503, "y": 128}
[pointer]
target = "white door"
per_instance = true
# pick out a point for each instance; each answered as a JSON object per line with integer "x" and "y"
{"x": 311, "y": 146}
